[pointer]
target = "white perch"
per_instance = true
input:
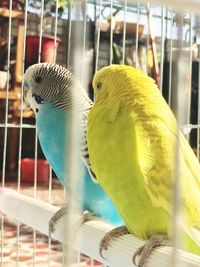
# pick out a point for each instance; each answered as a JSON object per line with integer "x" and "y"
{"x": 37, "y": 215}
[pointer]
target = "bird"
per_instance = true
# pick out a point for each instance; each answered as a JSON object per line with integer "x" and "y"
{"x": 48, "y": 91}
{"x": 131, "y": 137}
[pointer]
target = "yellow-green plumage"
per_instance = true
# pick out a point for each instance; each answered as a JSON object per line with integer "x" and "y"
{"x": 131, "y": 139}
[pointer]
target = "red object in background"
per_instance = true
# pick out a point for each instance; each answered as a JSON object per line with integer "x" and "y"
{"x": 47, "y": 50}
{"x": 16, "y": 4}
{"x": 27, "y": 170}
{"x": 90, "y": 262}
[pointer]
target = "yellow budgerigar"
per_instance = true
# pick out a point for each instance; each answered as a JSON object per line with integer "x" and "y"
{"x": 131, "y": 139}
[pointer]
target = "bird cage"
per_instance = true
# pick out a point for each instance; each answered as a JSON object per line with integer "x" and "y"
{"x": 162, "y": 39}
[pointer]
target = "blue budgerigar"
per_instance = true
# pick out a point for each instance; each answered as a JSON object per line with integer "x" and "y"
{"x": 48, "y": 90}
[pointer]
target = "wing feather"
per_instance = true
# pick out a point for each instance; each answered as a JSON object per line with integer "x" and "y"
{"x": 157, "y": 159}
{"x": 84, "y": 147}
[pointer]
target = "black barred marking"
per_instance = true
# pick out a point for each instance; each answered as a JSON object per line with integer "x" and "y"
{"x": 84, "y": 147}
{"x": 38, "y": 79}
{"x": 55, "y": 83}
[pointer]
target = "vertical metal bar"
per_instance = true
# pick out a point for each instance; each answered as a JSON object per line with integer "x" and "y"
{"x": 190, "y": 74}
{"x": 49, "y": 199}
{"x": 73, "y": 160}
{"x": 50, "y": 185}
{"x": 137, "y": 34}
{"x": 50, "y": 169}
{"x": 2, "y": 239}
{"x": 69, "y": 31}
{"x": 55, "y": 33}
{"x": 35, "y": 189}
{"x": 36, "y": 138}
{"x": 155, "y": 68}
{"x": 7, "y": 95}
{"x": 163, "y": 23}
{"x": 124, "y": 33}
{"x": 63, "y": 246}
{"x": 198, "y": 114}
{"x": 6, "y": 120}
{"x": 98, "y": 37}
{"x": 179, "y": 111}
{"x": 21, "y": 124}
{"x": 170, "y": 60}
{"x": 21, "y": 100}
{"x": 41, "y": 31}
{"x": 70, "y": 2}
{"x": 84, "y": 38}
{"x": 92, "y": 263}
{"x": 111, "y": 32}
{"x": 69, "y": 53}
{"x": 95, "y": 10}
{"x": 147, "y": 52}
{"x": 78, "y": 257}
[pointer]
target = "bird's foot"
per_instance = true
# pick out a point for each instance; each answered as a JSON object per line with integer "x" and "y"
{"x": 87, "y": 216}
{"x": 55, "y": 218}
{"x": 114, "y": 233}
{"x": 60, "y": 217}
{"x": 145, "y": 250}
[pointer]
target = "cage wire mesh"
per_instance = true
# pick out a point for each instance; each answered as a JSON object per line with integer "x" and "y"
{"x": 86, "y": 35}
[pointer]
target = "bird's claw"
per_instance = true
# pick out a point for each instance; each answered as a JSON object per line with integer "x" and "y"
{"x": 54, "y": 219}
{"x": 104, "y": 243}
{"x": 114, "y": 233}
{"x": 87, "y": 216}
{"x": 61, "y": 213}
{"x": 145, "y": 250}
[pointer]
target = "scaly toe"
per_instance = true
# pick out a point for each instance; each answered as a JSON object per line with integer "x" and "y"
{"x": 87, "y": 216}
{"x": 114, "y": 233}
{"x": 54, "y": 219}
{"x": 144, "y": 251}
{"x": 104, "y": 244}
{"x": 137, "y": 254}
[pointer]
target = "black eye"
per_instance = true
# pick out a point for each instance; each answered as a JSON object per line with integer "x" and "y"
{"x": 38, "y": 79}
{"x": 38, "y": 99}
{"x": 99, "y": 85}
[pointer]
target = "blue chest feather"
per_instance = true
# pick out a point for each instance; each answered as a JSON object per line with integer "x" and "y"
{"x": 52, "y": 125}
